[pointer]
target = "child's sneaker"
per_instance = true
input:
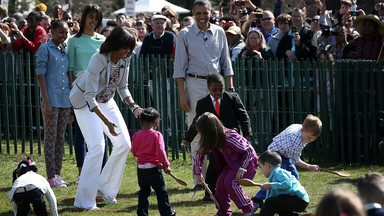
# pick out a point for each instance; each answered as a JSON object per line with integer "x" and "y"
{"x": 106, "y": 198}
{"x": 61, "y": 180}
{"x": 253, "y": 211}
{"x": 54, "y": 182}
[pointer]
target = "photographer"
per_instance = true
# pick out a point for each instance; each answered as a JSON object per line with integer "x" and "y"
{"x": 299, "y": 43}
{"x": 255, "y": 46}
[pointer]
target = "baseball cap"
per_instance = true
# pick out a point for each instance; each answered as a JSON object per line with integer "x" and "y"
{"x": 158, "y": 16}
{"x": 235, "y": 30}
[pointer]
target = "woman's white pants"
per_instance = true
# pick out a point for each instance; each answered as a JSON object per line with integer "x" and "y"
{"x": 109, "y": 180}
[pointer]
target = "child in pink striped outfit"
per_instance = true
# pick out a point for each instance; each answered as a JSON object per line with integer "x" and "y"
{"x": 235, "y": 158}
{"x": 148, "y": 147}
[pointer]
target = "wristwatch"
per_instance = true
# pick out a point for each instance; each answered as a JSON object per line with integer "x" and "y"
{"x": 232, "y": 89}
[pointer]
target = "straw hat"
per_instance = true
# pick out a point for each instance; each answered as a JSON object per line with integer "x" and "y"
{"x": 359, "y": 22}
{"x": 235, "y": 30}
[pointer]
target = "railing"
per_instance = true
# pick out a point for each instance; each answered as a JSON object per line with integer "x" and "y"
{"x": 346, "y": 95}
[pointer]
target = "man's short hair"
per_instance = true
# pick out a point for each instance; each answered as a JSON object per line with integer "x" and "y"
{"x": 120, "y": 14}
{"x": 284, "y": 18}
{"x": 215, "y": 78}
{"x": 371, "y": 188}
{"x": 270, "y": 157}
{"x": 313, "y": 124}
{"x": 202, "y": 3}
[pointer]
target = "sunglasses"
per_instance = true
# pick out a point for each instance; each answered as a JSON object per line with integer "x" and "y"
{"x": 267, "y": 18}
{"x": 315, "y": 20}
{"x": 169, "y": 15}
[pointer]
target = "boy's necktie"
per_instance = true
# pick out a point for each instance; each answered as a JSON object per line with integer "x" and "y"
{"x": 217, "y": 107}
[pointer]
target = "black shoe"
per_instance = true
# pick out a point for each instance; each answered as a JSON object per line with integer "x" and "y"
{"x": 173, "y": 213}
{"x": 258, "y": 201}
{"x": 198, "y": 187}
{"x": 207, "y": 198}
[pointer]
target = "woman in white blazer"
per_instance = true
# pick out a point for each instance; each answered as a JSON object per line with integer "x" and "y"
{"x": 96, "y": 112}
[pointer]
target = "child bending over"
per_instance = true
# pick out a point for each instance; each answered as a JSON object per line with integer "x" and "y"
{"x": 148, "y": 147}
{"x": 285, "y": 195}
{"x": 289, "y": 144}
{"x": 29, "y": 188}
{"x": 234, "y": 158}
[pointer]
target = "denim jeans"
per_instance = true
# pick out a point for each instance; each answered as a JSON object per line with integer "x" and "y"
{"x": 148, "y": 178}
{"x": 34, "y": 197}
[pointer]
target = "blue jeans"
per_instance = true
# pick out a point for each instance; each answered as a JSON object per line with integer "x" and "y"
{"x": 34, "y": 197}
{"x": 152, "y": 178}
{"x": 286, "y": 164}
{"x": 79, "y": 145}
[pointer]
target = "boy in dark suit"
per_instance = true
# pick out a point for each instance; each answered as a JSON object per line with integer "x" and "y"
{"x": 371, "y": 190}
{"x": 227, "y": 106}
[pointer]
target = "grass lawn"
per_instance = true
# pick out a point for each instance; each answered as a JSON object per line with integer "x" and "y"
{"x": 180, "y": 197}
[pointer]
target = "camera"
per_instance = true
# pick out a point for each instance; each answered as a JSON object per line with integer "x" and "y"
{"x": 294, "y": 30}
{"x": 212, "y": 19}
{"x": 259, "y": 15}
{"x": 245, "y": 11}
{"x": 139, "y": 24}
{"x": 249, "y": 53}
{"x": 326, "y": 30}
{"x": 355, "y": 13}
{"x": 70, "y": 24}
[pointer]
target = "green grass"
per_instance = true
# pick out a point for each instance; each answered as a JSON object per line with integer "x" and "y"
{"x": 181, "y": 199}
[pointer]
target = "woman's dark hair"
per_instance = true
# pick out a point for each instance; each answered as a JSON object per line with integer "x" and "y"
{"x": 58, "y": 23}
{"x": 150, "y": 114}
{"x": 34, "y": 15}
{"x": 87, "y": 10}
{"x": 119, "y": 38}
{"x": 24, "y": 166}
{"x": 214, "y": 78}
{"x": 212, "y": 132}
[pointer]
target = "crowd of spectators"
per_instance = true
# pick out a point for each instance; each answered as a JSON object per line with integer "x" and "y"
{"x": 340, "y": 34}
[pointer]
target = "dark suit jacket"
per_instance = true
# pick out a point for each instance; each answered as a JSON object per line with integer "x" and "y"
{"x": 232, "y": 113}
{"x": 376, "y": 212}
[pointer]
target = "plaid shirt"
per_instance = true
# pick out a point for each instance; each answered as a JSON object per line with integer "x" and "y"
{"x": 289, "y": 143}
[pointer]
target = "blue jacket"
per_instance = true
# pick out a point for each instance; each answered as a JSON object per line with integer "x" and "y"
{"x": 283, "y": 182}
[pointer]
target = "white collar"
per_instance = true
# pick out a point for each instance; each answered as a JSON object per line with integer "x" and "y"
{"x": 213, "y": 99}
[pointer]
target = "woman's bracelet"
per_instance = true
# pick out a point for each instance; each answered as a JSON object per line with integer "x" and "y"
{"x": 133, "y": 106}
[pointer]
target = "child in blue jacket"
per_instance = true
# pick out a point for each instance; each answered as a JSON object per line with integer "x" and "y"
{"x": 285, "y": 195}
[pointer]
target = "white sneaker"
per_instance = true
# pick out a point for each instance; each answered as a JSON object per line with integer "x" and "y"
{"x": 54, "y": 182}
{"x": 91, "y": 208}
{"x": 106, "y": 198}
{"x": 61, "y": 180}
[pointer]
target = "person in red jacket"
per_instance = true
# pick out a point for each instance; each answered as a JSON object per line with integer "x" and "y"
{"x": 29, "y": 38}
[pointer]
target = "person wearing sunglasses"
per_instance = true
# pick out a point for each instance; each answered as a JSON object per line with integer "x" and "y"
{"x": 268, "y": 25}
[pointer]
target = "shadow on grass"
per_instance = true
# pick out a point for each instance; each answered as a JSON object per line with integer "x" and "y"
{"x": 352, "y": 181}
{"x": 5, "y": 189}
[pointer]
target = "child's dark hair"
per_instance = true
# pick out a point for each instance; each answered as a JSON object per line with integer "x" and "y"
{"x": 24, "y": 166}
{"x": 212, "y": 132}
{"x": 150, "y": 114}
{"x": 215, "y": 78}
{"x": 270, "y": 157}
{"x": 57, "y": 24}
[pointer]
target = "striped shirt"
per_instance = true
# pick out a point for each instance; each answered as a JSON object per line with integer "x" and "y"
{"x": 367, "y": 49}
{"x": 289, "y": 143}
{"x": 237, "y": 152}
